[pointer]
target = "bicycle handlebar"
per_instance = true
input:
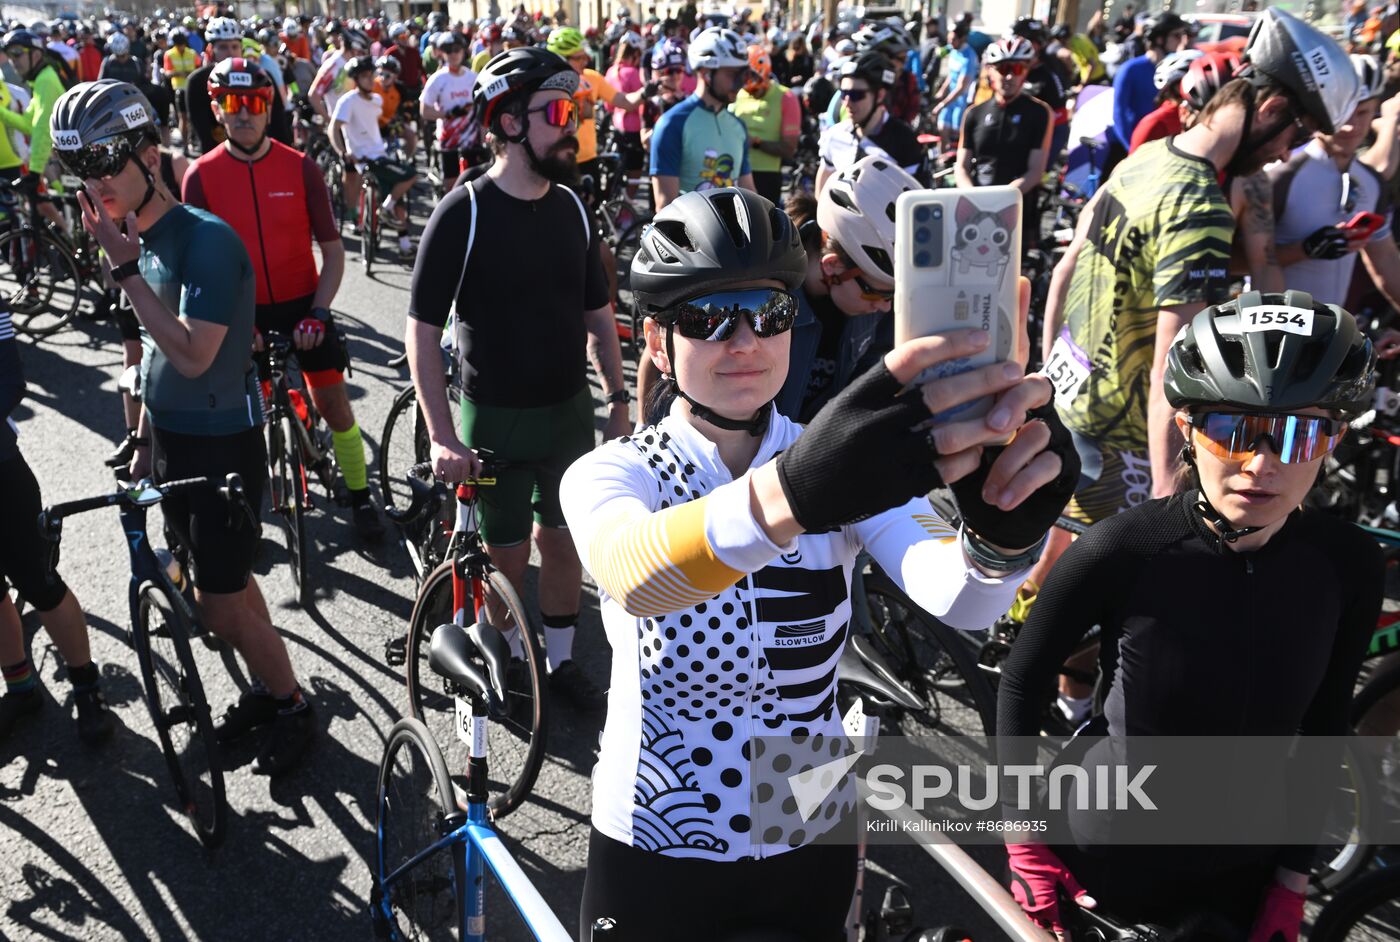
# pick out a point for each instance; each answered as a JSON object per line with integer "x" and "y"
{"x": 140, "y": 494}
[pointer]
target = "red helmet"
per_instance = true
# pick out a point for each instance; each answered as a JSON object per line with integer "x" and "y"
{"x": 1207, "y": 75}
{"x": 492, "y": 34}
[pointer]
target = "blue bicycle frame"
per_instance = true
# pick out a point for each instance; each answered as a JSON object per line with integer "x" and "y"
{"x": 475, "y": 848}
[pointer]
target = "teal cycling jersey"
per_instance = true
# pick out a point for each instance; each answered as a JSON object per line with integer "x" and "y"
{"x": 705, "y": 149}
{"x": 198, "y": 267}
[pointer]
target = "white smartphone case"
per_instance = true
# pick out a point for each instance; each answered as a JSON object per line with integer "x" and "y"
{"x": 957, "y": 265}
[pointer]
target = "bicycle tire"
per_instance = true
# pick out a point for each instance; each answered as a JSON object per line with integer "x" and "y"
{"x": 392, "y": 489}
{"x": 289, "y": 473}
{"x": 514, "y": 761}
{"x": 1353, "y": 853}
{"x": 415, "y": 800}
{"x": 935, "y": 661}
{"x": 369, "y": 226}
{"x": 170, "y": 676}
{"x": 1368, "y": 909}
{"x": 34, "y": 268}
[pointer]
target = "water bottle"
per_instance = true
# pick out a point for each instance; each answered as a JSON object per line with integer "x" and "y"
{"x": 175, "y": 571}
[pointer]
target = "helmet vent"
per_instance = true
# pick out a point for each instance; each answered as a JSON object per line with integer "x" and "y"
{"x": 881, "y": 258}
{"x": 726, "y": 206}
{"x": 889, "y": 210}
{"x": 843, "y": 199}
{"x": 674, "y": 231}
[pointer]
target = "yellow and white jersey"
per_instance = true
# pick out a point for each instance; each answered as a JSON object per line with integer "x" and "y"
{"x": 720, "y": 636}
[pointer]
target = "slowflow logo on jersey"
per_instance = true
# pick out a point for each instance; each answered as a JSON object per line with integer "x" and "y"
{"x": 799, "y": 636}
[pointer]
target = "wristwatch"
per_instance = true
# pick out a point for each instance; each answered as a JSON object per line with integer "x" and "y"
{"x": 995, "y": 561}
{"x": 125, "y": 270}
{"x": 321, "y": 314}
{"x": 623, "y": 396}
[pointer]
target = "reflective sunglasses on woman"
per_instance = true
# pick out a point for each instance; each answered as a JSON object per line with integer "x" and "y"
{"x": 716, "y": 316}
{"x": 1238, "y": 436}
{"x": 868, "y": 292}
{"x": 257, "y": 101}
{"x": 558, "y": 113}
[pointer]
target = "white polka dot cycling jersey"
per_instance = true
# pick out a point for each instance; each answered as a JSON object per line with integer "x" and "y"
{"x": 720, "y": 636}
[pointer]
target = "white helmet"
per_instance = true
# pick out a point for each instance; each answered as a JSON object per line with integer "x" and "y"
{"x": 291, "y": 27}
{"x": 632, "y": 39}
{"x": 719, "y": 48}
{"x": 118, "y": 44}
{"x": 221, "y": 27}
{"x": 1370, "y": 75}
{"x": 1009, "y": 49}
{"x": 857, "y": 210}
{"x": 1172, "y": 68}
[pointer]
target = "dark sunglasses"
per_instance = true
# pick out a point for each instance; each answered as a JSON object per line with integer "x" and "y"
{"x": 854, "y": 94}
{"x": 99, "y": 161}
{"x": 1010, "y": 68}
{"x": 559, "y": 113}
{"x": 867, "y": 291}
{"x": 716, "y": 316}
{"x": 1237, "y": 436}
{"x": 448, "y": 50}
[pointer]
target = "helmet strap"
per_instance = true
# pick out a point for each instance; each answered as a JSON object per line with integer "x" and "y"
{"x": 1224, "y": 533}
{"x": 755, "y": 426}
{"x": 249, "y": 152}
{"x": 150, "y": 184}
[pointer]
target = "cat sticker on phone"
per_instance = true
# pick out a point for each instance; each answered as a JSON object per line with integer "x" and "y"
{"x": 958, "y": 265}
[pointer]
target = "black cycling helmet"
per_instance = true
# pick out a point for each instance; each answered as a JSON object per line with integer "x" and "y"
{"x": 517, "y": 72}
{"x": 1028, "y": 27}
{"x": 388, "y": 64}
{"x": 359, "y": 66}
{"x": 238, "y": 73}
{"x": 1061, "y": 32}
{"x": 1285, "y": 51}
{"x": 871, "y": 66}
{"x": 24, "y": 39}
{"x": 711, "y": 240}
{"x": 1162, "y": 25}
{"x": 1232, "y": 355}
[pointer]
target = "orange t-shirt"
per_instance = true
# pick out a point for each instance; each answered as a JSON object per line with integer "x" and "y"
{"x": 299, "y": 47}
{"x": 391, "y": 97}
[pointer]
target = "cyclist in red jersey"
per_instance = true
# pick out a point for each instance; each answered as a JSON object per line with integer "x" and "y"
{"x": 276, "y": 200}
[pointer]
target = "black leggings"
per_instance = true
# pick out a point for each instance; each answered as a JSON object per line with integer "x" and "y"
{"x": 802, "y": 894}
{"x": 24, "y": 556}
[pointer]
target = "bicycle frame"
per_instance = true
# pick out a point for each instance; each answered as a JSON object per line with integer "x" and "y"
{"x": 476, "y": 848}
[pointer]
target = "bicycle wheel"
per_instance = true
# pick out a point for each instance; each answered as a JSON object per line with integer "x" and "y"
{"x": 515, "y": 742}
{"x": 415, "y": 802}
{"x": 40, "y": 280}
{"x": 399, "y": 448}
{"x": 936, "y": 662}
{"x": 289, "y": 500}
{"x": 1367, "y": 910}
{"x": 180, "y": 712}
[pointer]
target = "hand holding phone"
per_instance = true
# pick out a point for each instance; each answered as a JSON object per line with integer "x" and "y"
{"x": 1362, "y": 226}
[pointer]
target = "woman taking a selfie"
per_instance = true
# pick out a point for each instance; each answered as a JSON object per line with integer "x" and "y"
{"x": 722, "y": 540}
{"x": 1226, "y": 610}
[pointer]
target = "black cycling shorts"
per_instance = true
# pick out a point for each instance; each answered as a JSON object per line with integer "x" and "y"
{"x": 802, "y": 894}
{"x": 125, "y": 316}
{"x": 629, "y": 145}
{"x": 221, "y": 540}
{"x": 181, "y": 102}
{"x": 24, "y": 554}
{"x": 283, "y": 318}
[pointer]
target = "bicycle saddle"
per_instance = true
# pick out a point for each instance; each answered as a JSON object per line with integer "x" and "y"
{"x": 452, "y": 652}
{"x": 862, "y": 666}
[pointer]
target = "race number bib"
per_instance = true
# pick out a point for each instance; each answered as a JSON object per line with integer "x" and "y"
{"x": 464, "y": 721}
{"x": 1294, "y": 320}
{"x": 1068, "y": 369}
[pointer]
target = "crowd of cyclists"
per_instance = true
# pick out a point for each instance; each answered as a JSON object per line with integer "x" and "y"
{"x": 1196, "y": 363}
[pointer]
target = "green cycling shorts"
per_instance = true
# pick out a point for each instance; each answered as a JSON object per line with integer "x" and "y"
{"x": 549, "y": 439}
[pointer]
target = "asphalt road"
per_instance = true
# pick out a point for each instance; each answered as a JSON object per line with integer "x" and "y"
{"x": 93, "y": 847}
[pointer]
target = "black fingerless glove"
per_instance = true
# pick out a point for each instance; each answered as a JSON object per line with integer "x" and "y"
{"x": 1028, "y": 522}
{"x": 1329, "y": 242}
{"x": 859, "y": 457}
{"x": 651, "y": 88}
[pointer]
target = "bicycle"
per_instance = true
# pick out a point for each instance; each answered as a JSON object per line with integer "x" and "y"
{"x": 298, "y": 440}
{"x": 1368, "y": 909}
{"x": 466, "y": 588}
{"x": 367, "y": 216}
{"x": 399, "y": 453}
{"x": 432, "y": 851}
{"x": 39, "y": 274}
{"x": 164, "y": 621}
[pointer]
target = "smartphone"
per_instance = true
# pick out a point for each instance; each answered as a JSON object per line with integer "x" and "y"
{"x": 958, "y": 265}
{"x": 1363, "y": 225}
